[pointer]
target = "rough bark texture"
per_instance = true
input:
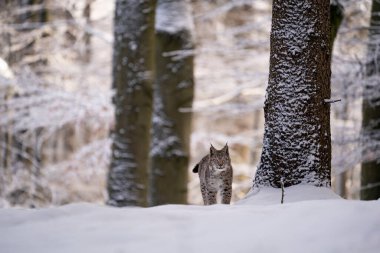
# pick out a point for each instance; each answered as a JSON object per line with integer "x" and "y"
{"x": 370, "y": 175}
{"x": 133, "y": 61}
{"x": 297, "y": 145}
{"x": 174, "y": 89}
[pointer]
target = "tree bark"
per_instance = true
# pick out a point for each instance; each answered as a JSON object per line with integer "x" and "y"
{"x": 370, "y": 175}
{"x": 297, "y": 144}
{"x": 174, "y": 89}
{"x": 133, "y": 70}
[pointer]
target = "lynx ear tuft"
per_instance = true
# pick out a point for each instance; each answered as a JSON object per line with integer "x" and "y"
{"x": 212, "y": 150}
{"x": 225, "y": 149}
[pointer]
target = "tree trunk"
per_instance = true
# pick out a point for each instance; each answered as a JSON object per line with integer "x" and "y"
{"x": 370, "y": 175}
{"x": 133, "y": 70}
{"x": 86, "y": 54}
{"x": 174, "y": 90}
{"x": 336, "y": 18}
{"x": 297, "y": 144}
{"x": 35, "y": 16}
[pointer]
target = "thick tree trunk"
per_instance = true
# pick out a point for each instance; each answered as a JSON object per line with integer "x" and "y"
{"x": 370, "y": 175}
{"x": 174, "y": 90}
{"x": 133, "y": 65}
{"x": 297, "y": 145}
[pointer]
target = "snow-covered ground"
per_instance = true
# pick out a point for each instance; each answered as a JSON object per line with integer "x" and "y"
{"x": 311, "y": 220}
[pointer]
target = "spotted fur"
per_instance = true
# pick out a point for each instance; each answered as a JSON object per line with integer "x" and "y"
{"x": 215, "y": 175}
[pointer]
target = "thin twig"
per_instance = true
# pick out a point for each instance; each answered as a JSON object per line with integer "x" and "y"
{"x": 282, "y": 190}
{"x": 331, "y": 101}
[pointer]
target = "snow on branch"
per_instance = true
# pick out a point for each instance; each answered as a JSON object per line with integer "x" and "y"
{"x": 82, "y": 177}
{"x": 36, "y": 106}
{"x": 226, "y": 7}
{"x": 174, "y": 16}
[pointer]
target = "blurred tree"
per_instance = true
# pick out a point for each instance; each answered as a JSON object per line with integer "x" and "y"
{"x": 370, "y": 175}
{"x": 29, "y": 12}
{"x": 297, "y": 142}
{"x": 336, "y": 18}
{"x": 36, "y": 13}
{"x": 133, "y": 65}
{"x": 174, "y": 89}
{"x": 21, "y": 148}
{"x": 86, "y": 54}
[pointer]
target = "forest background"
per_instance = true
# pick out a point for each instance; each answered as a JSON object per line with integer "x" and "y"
{"x": 57, "y": 113}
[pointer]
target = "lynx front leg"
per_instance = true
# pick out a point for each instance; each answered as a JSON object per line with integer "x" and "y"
{"x": 204, "y": 193}
{"x": 226, "y": 194}
{"x": 211, "y": 197}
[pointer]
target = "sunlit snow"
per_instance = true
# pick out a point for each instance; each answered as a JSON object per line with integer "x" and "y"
{"x": 256, "y": 224}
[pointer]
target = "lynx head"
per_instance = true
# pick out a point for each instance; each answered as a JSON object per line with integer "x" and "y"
{"x": 219, "y": 159}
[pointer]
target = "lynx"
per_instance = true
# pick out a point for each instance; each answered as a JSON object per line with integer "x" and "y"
{"x": 215, "y": 175}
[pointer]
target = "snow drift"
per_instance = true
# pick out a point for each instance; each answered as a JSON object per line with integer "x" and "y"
{"x": 256, "y": 224}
